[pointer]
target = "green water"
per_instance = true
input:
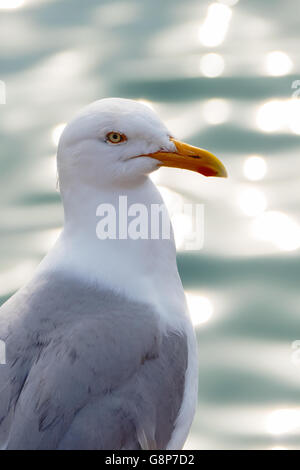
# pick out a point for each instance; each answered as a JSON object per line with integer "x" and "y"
{"x": 56, "y": 56}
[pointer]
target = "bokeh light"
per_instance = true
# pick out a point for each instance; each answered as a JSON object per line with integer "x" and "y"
{"x": 11, "y": 4}
{"x": 283, "y": 421}
{"x": 270, "y": 116}
{"x": 279, "y": 116}
{"x": 279, "y": 229}
{"x": 278, "y": 63}
{"x": 200, "y": 308}
{"x": 214, "y": 29}
{"x": 255, "y": 168}
{"x": 212, "y": 65}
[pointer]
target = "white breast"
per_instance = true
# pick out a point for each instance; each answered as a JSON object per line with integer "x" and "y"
{"x": 143, "y": 270}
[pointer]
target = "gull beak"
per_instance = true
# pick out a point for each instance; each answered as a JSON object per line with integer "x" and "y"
{"x": 191, "y": 158}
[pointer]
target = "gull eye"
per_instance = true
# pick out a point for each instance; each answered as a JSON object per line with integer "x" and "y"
{"x": 115, "y": 137}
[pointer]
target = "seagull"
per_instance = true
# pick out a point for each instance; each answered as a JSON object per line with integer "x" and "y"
{"x": 100, "y": 349}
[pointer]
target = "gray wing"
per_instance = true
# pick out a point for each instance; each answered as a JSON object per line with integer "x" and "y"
{"x": 87, "y": 369}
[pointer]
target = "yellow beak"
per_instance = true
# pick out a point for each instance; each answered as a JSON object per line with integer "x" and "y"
{"x": 191, "y": 158}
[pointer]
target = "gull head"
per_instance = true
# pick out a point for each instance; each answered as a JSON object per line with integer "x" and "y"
{"x": 114, "y": 142}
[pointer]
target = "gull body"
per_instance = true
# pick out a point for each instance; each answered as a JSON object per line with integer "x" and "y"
{"x": 101, "y": 352}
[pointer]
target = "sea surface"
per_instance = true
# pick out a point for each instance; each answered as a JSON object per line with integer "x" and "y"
{"x": 223, "y": 76}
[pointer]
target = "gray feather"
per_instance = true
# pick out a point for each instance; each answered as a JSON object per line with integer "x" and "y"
{"x": 87, "y": 369}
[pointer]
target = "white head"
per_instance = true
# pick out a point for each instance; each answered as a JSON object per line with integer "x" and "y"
{"x": 117, "y": 142}
{"x": 106, "y": 151}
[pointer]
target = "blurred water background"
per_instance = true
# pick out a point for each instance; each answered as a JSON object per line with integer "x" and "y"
{"x": 222, "y": 75}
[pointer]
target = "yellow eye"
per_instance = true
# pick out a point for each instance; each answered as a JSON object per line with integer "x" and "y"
{"x": 116, "y": 137}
